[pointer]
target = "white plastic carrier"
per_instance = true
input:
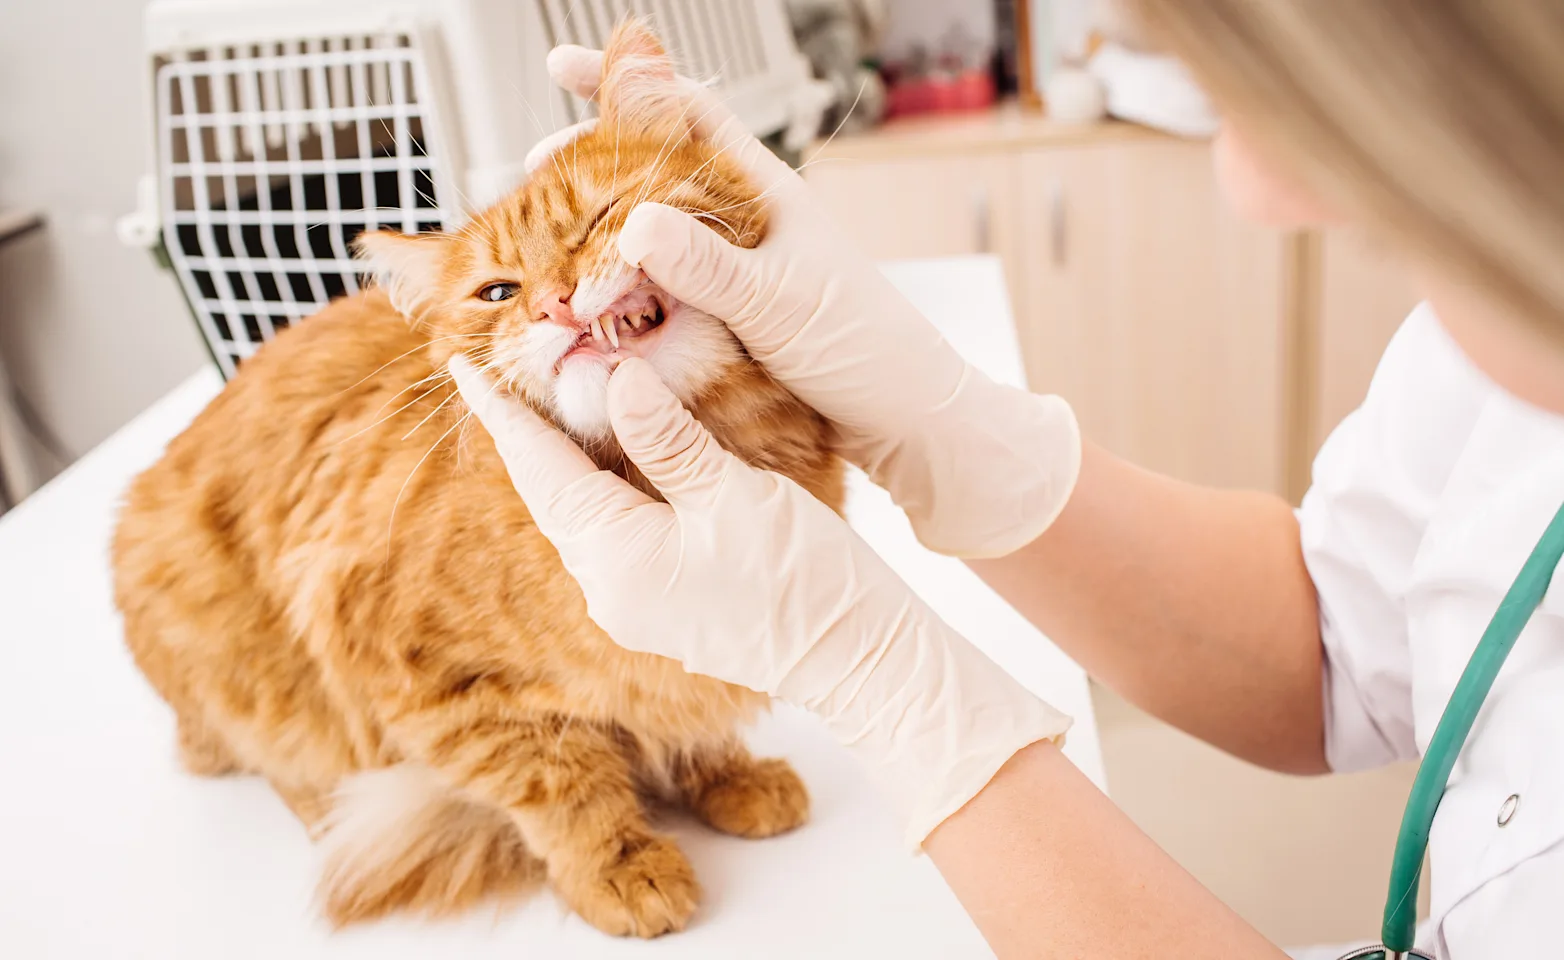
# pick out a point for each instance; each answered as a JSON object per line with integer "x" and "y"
{"x": 283, "y": 128}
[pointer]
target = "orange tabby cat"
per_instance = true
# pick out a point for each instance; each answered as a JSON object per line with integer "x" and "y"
{"x": 331, "y": 580}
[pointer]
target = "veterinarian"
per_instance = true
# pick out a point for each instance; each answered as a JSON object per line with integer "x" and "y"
{"x": 1332, "y": 638}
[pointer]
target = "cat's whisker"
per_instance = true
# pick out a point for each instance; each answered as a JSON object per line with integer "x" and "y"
{"x": 613, "y": 190}
{"x": 864, "y": 85}
{"x": 816, "y": 162}
{"x": 438, "y": 407}
{"x": 542, "y": 131}
{"x": 432, "y": 375}
{"x": 427, "y": 378}
{"x": 801, "y": 167}
{"x": 422, "y": 346}
{"x": 481, "y": 357}
{"x": 664, "y": 154}
{"x": 702, "y": 215}
{"x": 426, "y": 197}
{"x": 709, "y": 161}
{"x": 397, "y": 212}
{"x": 465, "y": 422}
{"x": 467, "y": 206}
{"x": 536, "y": 120}
{"x": 391, "y": 522}
{"x": 575, "y": 160}
{"x": 773, "y": 188}
{"x": 807, "y": 164}
{"x": 440, "y": 375}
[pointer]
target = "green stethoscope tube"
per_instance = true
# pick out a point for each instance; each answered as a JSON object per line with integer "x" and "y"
{"x": 1514, "y": 612}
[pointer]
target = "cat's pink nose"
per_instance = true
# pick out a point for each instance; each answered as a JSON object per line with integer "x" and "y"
{"x": 554, "y": 304}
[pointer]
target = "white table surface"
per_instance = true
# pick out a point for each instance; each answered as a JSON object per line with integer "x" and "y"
{"x": 108, "y": 850}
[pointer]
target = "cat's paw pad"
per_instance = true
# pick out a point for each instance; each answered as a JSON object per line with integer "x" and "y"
{"x": 647, "y": 891}
{"x": 760, "y": 799}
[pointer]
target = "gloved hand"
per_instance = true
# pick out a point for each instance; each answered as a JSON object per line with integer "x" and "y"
{"x": 980, "y": 468}
{"x": 744, "y": 576}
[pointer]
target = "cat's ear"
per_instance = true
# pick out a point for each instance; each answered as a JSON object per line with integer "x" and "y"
{"x": 640, "y": 90}
{"x": 407, "y": 268}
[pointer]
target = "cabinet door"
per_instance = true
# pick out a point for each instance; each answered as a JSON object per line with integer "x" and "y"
{"x": 1363, "y": 297}
{"x": 1158, "y": 314}
{"x": 920, "y": 206}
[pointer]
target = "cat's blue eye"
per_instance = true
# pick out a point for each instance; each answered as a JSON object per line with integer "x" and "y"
{"x": 495, "y": 292}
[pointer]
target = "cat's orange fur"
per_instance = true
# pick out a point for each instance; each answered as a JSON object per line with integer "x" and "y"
{"x": 331, "y": 580}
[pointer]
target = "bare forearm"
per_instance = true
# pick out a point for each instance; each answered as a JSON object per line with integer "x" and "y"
{"x": 1193, "y": 603}
{"x": 1047, "y": 867}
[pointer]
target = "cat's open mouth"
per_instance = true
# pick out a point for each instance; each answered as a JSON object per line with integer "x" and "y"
{"x": 622, "y": 330}
{"x": 614, "y": 327}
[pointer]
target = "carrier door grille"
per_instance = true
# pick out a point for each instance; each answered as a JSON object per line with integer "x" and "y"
{"x": 273, "y": 158}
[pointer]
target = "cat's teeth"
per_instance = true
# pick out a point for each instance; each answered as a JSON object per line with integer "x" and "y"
{"x": 596, "y": 326}
{"x": 634, "y": 320}
{"x": 611, "y": 327}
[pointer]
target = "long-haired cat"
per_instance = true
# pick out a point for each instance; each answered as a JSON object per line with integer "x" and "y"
{"x": 331, "y": 580}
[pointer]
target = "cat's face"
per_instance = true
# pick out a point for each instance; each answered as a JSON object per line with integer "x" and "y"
{"x": 534, "y": 290}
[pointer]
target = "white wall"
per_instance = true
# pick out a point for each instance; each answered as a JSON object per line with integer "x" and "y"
{"x": 92, "y": 332}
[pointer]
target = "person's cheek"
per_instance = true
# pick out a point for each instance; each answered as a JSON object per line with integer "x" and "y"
{"x": 1259, "y": 194}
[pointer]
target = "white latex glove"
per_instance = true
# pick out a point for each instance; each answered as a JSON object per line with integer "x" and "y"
{"x": 980, "y": 468}
{"x": 743, "y": 576}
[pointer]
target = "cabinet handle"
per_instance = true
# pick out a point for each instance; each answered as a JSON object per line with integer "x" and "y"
{"x": 982, "y": 221}
{"x": 1058, "y": 235}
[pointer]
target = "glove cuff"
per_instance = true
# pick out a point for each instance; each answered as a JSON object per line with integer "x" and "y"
{"x": 986, "y": 473}
{"x": 927, "y": 713}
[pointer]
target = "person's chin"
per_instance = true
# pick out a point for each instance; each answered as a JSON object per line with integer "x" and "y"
{"x": 1257, "y": 193}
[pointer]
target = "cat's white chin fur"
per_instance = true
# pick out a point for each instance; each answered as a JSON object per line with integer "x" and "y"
{"x": 581, "y": 399}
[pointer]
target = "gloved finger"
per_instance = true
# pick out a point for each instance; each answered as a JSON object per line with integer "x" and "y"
{"x": 554, "y": 142}
{"x": 660, "y": 437}
{"x": 546, "y": 467}
{"x": 690, "y": 261}
{"x": 576, "y": 69}
{"x": 579, "y": 70}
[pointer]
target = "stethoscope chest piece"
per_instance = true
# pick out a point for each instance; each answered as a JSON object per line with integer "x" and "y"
{"x": 1379, "y": 952}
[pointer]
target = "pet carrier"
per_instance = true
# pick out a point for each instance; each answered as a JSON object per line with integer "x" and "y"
{"x": 283, "y": 129}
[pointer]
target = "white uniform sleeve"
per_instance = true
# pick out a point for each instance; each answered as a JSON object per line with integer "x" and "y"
{"x": 1377, "y": 481}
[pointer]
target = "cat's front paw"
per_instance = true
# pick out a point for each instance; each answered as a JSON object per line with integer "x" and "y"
{"x": 648, "y": 890}
{"x": 761, "y": 798}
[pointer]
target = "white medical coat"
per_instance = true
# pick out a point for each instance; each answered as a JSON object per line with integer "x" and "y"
{"x": 1425, "y": 503}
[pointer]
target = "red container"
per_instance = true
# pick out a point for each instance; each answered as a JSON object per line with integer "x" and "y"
{"x": 941, "y": 93}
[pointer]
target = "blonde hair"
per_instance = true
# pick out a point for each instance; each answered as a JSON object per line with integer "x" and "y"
{"x": 1439, "y": 123}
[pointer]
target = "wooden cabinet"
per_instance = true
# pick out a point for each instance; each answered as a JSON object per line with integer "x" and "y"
{"x": 925, "y": 206}
{"x": 1363, "y": 297}
{"x": 1154, "y": 310}
{"x": 937, "y": 206}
